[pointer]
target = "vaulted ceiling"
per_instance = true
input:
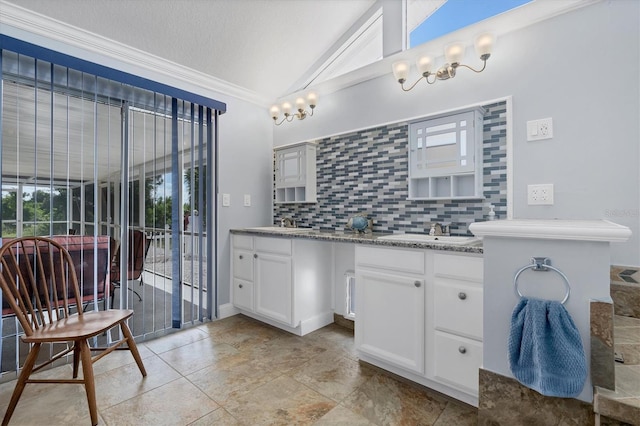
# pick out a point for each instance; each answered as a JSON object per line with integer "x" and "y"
{"x": 264, "y": 46}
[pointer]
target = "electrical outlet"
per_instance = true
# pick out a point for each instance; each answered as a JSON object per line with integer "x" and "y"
{"x": 226, "y": 200}
{"x": 541, "y": 194}
{"x": 540, "y": 129}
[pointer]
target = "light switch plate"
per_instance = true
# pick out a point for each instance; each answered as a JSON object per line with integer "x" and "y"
{"x": 247, "y": 200}
{"x": 540, "y": 129}
{"x": 226, "y": 200}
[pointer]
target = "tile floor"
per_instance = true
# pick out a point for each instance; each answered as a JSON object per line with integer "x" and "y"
{"x": 238, "y": 371}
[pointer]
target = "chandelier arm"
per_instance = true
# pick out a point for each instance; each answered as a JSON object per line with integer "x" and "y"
{"x": 484, "y": 65}
{"x": 413, "y": 85}
{"x": 275, "y": 120}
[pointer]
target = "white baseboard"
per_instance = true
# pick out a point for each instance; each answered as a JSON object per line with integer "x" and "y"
{"x": 227, "y": 310}
{"x": 315, "y": 323}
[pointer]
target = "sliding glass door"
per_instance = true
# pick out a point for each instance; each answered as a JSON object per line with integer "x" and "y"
{"x": 89, "y": 156}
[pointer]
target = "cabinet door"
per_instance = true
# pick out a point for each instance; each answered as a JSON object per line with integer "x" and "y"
{"x": 273, "y": 286}
{"x": 290, "y": 165}
{"x": 243, "y": 264}
{"x": 243, "y": 294}
{"x": 457, "y": 360}
{"x": 390, "y": 318}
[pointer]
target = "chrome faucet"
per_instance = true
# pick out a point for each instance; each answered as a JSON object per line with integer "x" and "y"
{"x": 287, "y": 222}
{"x": 438, "y": 229}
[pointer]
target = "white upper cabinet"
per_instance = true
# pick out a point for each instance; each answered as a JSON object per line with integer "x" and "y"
{"x": 295, "y": 173}
{"x": 445, "y": 156}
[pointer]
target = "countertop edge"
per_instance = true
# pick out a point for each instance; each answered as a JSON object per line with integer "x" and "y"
{"x": 368, "y": 239}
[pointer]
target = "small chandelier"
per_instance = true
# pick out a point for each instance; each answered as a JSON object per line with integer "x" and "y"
{"x": 301, "y": 114}
{"x": 453, "y": 54}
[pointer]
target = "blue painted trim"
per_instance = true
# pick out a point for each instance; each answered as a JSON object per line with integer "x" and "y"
{"x": 42, "y": 53}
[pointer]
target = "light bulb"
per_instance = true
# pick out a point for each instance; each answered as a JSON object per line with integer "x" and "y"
{"x": 300, "y": 104}
{"x": 275, "y": 112}
{"x": 425, "y": 64}
{"x": 484, "y": 45}
{"x": 401, "y": 70}
{"x": 454, "y": 53}
{"x": 286, "y": 108}
{"x": 312, "y": 99}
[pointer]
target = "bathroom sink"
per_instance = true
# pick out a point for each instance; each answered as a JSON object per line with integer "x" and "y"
{"x": 423, "y": 238}
{"x": 278, "y": 229}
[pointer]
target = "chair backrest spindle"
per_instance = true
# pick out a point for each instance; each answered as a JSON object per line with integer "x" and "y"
{"x": 39, "y": 281}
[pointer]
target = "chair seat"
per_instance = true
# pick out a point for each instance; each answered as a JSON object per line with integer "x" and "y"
{"x": 78, "y": 327}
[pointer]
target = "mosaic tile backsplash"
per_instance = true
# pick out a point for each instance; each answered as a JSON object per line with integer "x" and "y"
{"x": 366, "y": 172}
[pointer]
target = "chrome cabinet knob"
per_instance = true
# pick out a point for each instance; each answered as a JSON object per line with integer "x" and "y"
{"x": 462, "y": 350}
{"x": 241, "y": 257}
{"x": 240, "y": 285}
{"x": 462, "y": 295}
{"x": 255, "y": 256}
{"x": 417, "y": 283}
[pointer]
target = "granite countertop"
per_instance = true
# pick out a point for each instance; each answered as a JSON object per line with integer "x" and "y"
{"x": 357, "y": 238}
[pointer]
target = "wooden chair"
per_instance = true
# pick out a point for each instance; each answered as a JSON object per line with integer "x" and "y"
{"x": 39, "y": 283}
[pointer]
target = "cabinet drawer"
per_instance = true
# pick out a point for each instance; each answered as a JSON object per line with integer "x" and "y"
{"x": 407, "y": 261}
{"x": 458, "y": 307}
{"x": 243, "y": 242}
{"x": 457, "y": 360}
{"x": 273, "y": 245}
{"x": 243, "y": 264}
{"x": 458, "y": 266}
{"x": 243, "y": 294}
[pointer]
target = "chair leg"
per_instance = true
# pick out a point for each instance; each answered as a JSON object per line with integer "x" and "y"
{"x": 24, "y": 375}
{"x": 133, "y": 347}
{"x": 76, "y": 360}
{"x": 89, "y": 382}
{"x": 137, "y": 294}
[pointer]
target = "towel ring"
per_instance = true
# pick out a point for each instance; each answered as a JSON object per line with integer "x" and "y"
{"x": 542, "y": 264}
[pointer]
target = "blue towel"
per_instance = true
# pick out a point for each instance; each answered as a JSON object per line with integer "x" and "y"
{"x": 545, "y": 349}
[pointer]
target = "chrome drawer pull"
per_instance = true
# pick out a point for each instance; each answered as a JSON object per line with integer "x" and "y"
{"x": 462, "y": 295}
{"x": 462, "y": 350}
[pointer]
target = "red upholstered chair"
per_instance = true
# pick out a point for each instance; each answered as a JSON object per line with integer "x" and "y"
{"x": 39, "y": 283}
{"x": 138, "y": 248}
{"x": 91, "y": 258}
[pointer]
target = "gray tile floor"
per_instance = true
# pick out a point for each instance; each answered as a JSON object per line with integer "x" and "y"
{"x": 238, "y": 371}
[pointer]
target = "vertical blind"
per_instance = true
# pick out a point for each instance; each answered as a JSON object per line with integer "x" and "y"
{"x": 94, "y": 154}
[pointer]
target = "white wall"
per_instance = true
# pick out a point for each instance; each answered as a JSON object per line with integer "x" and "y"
{"x": 245, "y": 168}
{"x": 581, "y": 68}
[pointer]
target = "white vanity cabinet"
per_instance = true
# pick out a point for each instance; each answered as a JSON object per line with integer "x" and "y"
{"x": 273, "y": 279}
{"x": 454, "y": 320}
{"x": 295, "y": 173}
{"x": 282, "y": 281}
{"x": 390, "y": 305}
{"x": 419, "y": 315}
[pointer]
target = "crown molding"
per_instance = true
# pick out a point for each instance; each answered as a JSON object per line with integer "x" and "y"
{"x": 32, "y": 27}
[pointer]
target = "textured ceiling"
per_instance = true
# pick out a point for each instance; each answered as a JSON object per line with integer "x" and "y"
{"x": 260, "y": 45}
